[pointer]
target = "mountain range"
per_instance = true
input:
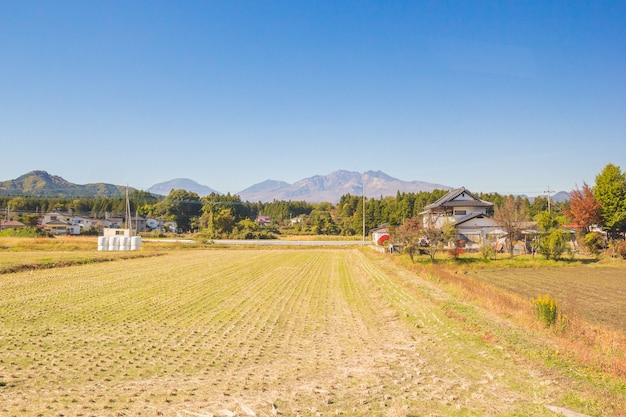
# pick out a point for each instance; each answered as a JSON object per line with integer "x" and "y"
{"x": 329, "y": 188}
{"x": 313, "y": 189}
{"x": 332, "y": 186}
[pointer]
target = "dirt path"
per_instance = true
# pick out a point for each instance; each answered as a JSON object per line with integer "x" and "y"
{"x": 276, "y": 332}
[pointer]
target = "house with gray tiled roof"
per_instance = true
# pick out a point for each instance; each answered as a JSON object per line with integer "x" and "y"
{"x": 469, "y": 214}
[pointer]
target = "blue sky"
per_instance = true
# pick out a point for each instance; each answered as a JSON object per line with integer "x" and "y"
{"x": 509, "y": 97}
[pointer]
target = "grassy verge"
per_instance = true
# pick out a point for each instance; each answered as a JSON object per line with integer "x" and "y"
{"x": 507, "y": 289}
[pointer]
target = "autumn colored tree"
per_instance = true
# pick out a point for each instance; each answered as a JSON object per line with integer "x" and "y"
{"x": 584, "y": 210}
{"x": 408, "y": 234}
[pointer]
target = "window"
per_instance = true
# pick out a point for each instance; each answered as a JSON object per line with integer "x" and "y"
{"x": 460, "y": 212}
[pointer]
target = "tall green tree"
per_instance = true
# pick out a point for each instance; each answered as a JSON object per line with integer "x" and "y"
{"x": 180, "y": 206}
{"x": 213, "y": 204}
{"x": 548, "y": 220}
{"x": 224, "y": 222}
{"x": 610, "y": 192}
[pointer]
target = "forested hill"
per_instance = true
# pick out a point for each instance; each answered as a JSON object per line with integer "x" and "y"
{"x": 40, "y": 183}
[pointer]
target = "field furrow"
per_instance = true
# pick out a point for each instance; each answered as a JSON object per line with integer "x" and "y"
{"x": 595, "y": 294}
{"x": 298, "y": 332}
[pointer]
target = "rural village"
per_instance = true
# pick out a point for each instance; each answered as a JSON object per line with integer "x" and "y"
{"x": 312, "y": 208}
{"x": 468, "y": 215}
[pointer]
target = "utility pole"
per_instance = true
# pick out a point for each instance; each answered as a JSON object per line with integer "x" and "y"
{"x": 549, "y": 205}
{"x": 364, "y": 213}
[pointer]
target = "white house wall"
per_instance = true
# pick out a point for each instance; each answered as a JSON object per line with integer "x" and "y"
{"x": 438, "y": 220}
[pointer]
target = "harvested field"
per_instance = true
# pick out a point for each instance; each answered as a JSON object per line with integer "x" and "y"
{"x": 265, "y": 332}
{"x": 595, "y": 294}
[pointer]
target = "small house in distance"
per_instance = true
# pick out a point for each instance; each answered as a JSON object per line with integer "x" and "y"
{"x": 380, "y": 235}
{"x": 110, "y": 231}
{"x": 10, "y": 224}
{"x": 263, "y": 220}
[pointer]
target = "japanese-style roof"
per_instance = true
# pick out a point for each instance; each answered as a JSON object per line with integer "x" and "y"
{"x": 468, "y": 218}
{"x": 11, "y": 223}
{"x": 56, "y": 223}
{"x": 449, "y": 200}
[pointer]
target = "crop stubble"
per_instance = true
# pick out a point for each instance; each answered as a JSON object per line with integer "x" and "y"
{"x": 309, "y": 332}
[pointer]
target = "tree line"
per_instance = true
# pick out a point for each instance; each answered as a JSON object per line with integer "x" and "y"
{"x": 226, "y": 216}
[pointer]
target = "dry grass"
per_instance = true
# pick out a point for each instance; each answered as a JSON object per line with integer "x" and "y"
{"x": 322, "y": 238}
{"x": 47, "y": 244}
{"x": 591, "y": 301}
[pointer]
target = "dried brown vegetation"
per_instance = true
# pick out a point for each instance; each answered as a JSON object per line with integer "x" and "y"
{"x": 591, "y": 329}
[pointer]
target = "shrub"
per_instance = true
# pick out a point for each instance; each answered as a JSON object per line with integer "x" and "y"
{"x": 553, "y": 245}
{"x": 92, "y": 231}
{"x": 546, "y": 309}
{"x": 594, "y": 243}
{"x": 620, "y": 249}
{"x": 487, "y": 250}
{"x": 27, "y": 231}
{"x": 255, "y": 235}
{"x": 457, "y": 249}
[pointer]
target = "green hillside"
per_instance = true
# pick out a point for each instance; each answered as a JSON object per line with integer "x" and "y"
{"x": 40, "y": 183}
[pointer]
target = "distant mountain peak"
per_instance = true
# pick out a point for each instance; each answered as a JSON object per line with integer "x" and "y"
{"x": 45, "y": 176}
{"x": 164, "y": 188}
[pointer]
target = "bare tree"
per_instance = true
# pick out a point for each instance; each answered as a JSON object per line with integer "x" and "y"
{"x": 510, "y": 217}
{"x": 433, "y": 242}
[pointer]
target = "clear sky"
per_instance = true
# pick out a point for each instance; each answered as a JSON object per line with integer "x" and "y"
{"x": 509, "y": 97}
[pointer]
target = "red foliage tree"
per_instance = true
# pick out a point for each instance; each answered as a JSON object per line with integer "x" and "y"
{"x": 584, "y": 210}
